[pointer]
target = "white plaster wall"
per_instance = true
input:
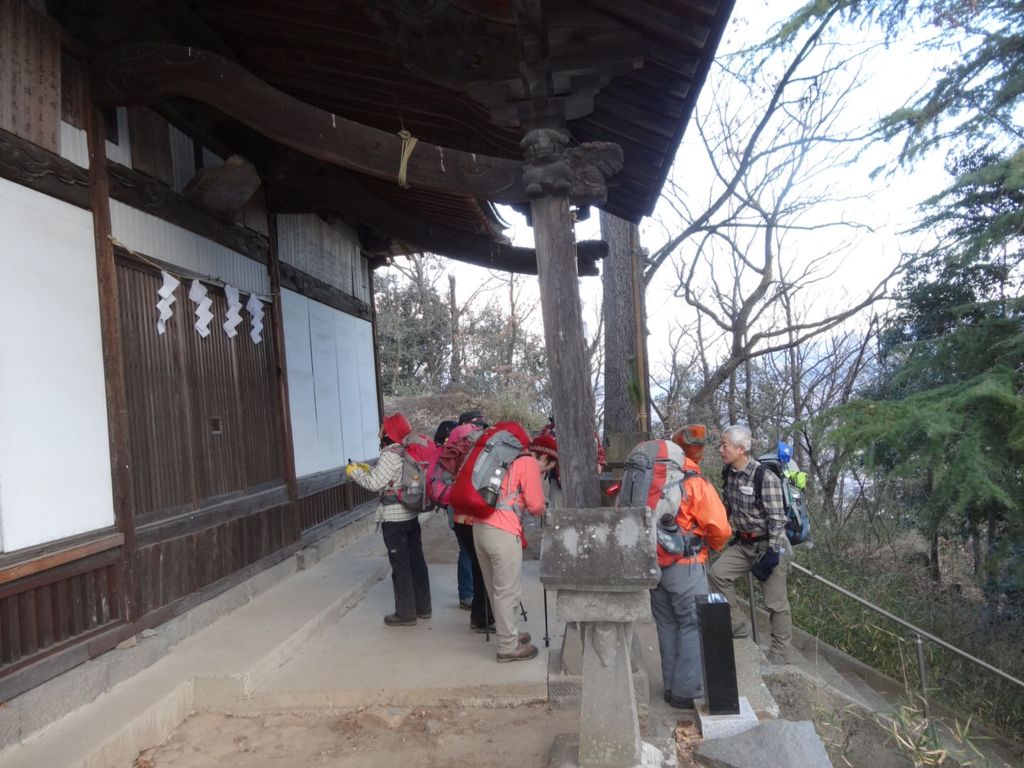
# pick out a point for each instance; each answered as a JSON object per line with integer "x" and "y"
{"x": 54, "y": 450}
{"x": 332, "y": 388}
{"x": 74, "y": 144}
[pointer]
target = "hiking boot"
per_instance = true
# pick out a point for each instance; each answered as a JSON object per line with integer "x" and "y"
{"x": 466, "y": 605}
{"x": 523, "y": 652}
{"x": 668, "y": 695}
{"x": 524, "y": 638}
{"x": 426, "y": 615}
{"x": 778, "y": 658}
{"x": 680, "y": 703}
{"x": 393, "y": 620}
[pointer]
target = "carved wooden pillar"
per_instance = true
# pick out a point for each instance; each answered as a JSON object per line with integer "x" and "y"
{"x": 572, "y": 398}
{"x": 553, "y": 173}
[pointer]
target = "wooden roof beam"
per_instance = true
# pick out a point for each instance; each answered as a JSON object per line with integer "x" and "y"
{"x": 150, "y": 74}
{"x": 338, "y": 192}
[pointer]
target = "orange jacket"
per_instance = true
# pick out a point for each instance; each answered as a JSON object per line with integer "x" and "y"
{"x": 521, "y": 491}
{"x": 701, "y": 513}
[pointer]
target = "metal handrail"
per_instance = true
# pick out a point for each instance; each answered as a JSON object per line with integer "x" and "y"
{"x": 918, "y": 633}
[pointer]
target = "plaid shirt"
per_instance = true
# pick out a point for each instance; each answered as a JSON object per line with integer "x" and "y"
{"x": 384, "y": 476}
{"x": 740, "y": 502}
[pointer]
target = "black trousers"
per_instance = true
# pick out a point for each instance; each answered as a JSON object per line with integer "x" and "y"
{"x": 409, "y": 576}
{"x": 480, "y": 609}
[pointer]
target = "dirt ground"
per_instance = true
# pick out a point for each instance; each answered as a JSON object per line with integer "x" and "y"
{"x": 378, "y": 737}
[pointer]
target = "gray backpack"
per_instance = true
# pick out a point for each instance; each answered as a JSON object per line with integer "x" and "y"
{"x": 653, "y": 477}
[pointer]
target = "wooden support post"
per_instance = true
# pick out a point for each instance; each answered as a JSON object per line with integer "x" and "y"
{"x": 113, "y": 357}
{"x": 573, "y": 400}
{"x": 281, "y": 361}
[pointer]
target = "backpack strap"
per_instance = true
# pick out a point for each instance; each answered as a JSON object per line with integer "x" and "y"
{"x": 758, "y": 486}
{"x": 759, "y": 497}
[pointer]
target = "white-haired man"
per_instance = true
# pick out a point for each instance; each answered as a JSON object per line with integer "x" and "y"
{"x": 758, "y": 518}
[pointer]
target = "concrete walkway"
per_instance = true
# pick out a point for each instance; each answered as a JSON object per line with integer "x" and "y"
{"x": 315, "y": 640}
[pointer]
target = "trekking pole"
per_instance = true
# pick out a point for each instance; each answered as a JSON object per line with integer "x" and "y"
{"x": 522, "y": 609}
{"x": 488, "y": 619}
{"x": 754, "y": 632}
{"x": 547, "y": 640}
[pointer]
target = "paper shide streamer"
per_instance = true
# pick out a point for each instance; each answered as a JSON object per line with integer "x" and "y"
{"x": 255, "y": 307}
{"x": 197, "y": 293}
{"x": 164, "y": 306}
{"x": 234, "y": 315}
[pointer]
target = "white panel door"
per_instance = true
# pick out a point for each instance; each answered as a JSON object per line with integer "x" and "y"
{"x": 348, "y": 387}
{"x": 301, "y": 398}
{"x": 325, "y": 383}
{"x": 363, "y": 334}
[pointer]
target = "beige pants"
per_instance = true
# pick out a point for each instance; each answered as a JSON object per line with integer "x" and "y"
{"x": 735, "y": 563}
{"x": 501, "y": 561}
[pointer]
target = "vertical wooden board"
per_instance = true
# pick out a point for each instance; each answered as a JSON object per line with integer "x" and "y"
{"x": 9, "y": 618}
{"x": 137, "y": 587}
{"x": 29, "y": 622}
{"x": 61, "y": 610}
{"x": 150, "y": 144}
{"x": 102, "y": 595}
{"x": 72, "y": 108}
{"x": 265, "y": 545}
{"x": 77, "y": 606}
{"x": 30, "y": 101}
{"x": 152, "y": 578}
{"x": 44, "y": 615}
{"x": 187, "y": 575}
{"x": 213, "y": 557}
{"x": 116, "y": 591}
{"x": 89, "y": 602}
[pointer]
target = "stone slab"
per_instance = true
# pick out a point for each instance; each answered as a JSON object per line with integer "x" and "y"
{"x": 566, "y": 746}
{"x": 774, "y": 744}
{"x": 608, "y": 550}
{"x": 725, "y": 726}
{"x": 565, "y": 673}
{"x": 623, "y": 607}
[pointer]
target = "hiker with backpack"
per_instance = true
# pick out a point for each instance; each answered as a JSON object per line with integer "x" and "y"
{"x": 755, "y": 501}
{"x": 498, "y": 534}
{"x": 399, "y": 524}
{"x": 464, "y": 567}
{"x": 461, "y": 440}
{"x": 684, "y": 541}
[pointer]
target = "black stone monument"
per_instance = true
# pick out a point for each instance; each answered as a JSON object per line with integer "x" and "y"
{"x": 717, "y": 654}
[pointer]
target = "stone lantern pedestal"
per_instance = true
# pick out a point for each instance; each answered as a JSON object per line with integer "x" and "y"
{"x": 602, "y": 562}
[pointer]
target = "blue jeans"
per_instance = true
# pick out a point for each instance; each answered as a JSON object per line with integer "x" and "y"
{"x": 465, "y": 567}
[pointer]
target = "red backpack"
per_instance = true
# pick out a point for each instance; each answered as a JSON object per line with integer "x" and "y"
{"x": 442, "y": 473}
{"x": 486, "y": 464}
